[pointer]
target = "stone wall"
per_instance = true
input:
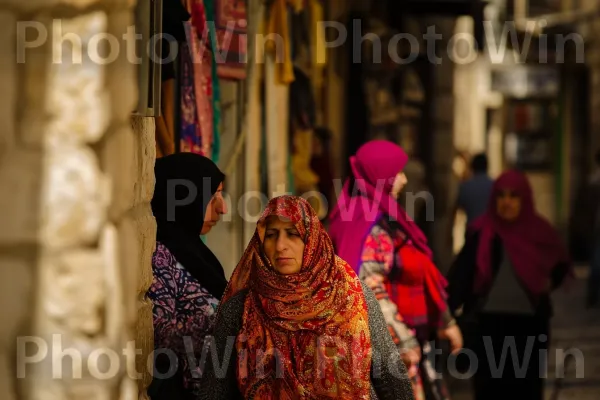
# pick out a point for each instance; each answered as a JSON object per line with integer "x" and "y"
{"x": 77, "y": 233}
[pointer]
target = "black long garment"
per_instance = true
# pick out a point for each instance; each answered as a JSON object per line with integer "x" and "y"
{"x": 489, "y": 334}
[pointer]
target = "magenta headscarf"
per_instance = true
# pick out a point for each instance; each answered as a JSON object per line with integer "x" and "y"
{"x": 374, "y": 169}
{"x": 532, "y": 244}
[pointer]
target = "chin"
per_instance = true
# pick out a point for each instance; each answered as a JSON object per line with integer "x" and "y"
{"x": 205, "y": 230}
{"x": 287, "y": 269}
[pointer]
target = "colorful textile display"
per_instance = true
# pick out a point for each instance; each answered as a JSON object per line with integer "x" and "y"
{"x": 200, "y": 83}
{"x": 190, "y": 137}
{"x": 230, "y": 17}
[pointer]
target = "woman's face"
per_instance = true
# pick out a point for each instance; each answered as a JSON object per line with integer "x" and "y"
{"x": 508, "y": 205}
{"x": 216, "y": 207}
{"x": 399, "y": 183}
{"x": 283, "y": 245}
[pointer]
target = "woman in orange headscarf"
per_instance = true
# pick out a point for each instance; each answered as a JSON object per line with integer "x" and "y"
{"x": 304, "y": 325}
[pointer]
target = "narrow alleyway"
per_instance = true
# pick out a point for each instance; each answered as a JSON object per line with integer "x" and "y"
{"x": 574, "y": 326}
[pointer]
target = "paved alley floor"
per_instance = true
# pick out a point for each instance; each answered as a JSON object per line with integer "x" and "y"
{"x": 573, "y": 327}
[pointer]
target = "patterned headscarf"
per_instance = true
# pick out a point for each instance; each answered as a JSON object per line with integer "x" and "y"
{"x": 312, "y": 326}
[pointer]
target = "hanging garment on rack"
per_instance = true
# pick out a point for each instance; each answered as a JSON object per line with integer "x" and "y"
{"x": 216, "y": 86}
{"x": 231, "y": 23}
{"x": 202, "y": 59}
{"x": 173, "y": 17}
{"x": 190, "y": 136}
{"x": 203, "y": 40}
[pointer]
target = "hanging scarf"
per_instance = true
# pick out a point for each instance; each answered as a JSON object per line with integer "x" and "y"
{"x": 303, "y": 317}
{"x": 216, "y": 86}
{"x": 533, "y": 245}
{"x": 178, "y": 227}
{"x": 374, "y": 169}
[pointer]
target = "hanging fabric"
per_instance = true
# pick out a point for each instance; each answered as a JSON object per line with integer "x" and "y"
{"x": 190, "y": 137}
{"x": 173, "y": 17}
{"x": 279, "y": 26}
{"x": 203, "y": 82}
{"x": 216, "y": 87}
{"x": 231, "y": 21}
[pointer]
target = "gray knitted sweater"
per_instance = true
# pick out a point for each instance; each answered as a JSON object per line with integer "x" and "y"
{"x": 389, "y": 379}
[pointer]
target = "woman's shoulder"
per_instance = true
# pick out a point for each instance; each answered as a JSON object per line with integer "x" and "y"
{"x": 235, "y": 303}
{"x": 230, "y": 312}
{"x": 370, "y": 299}
{"x": 162, "y": 258}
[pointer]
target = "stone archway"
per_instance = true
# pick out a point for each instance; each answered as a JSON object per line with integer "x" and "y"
{"x": 76, "y": 230}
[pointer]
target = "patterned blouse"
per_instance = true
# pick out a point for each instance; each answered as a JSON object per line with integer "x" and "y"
{"x": 182, "y": 309}
{"x": 377, "y": 260}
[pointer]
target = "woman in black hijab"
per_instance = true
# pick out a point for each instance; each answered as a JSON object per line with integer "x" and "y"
{"x": 188, "y": 280}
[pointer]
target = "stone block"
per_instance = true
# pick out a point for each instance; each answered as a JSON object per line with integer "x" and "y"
{"x": 16, "y": 297}
{"x": 122, "y": 72}
{"x": 33, "y": 62}
{"x": 145, "y": 156}
{"x": 77, "y": 101}
{"x": 8, "y": 81}
{"x": 75, "y": 197}
{"x": 21, "y": 181}
{"x": 74, "y": 288}
{"x": 137, "y": 237}
{"x": 117, "y": 159}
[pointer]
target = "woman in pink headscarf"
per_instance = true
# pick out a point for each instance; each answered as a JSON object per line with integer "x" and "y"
{"x": 373, "y": 233}
{"x": 502, "y": 279}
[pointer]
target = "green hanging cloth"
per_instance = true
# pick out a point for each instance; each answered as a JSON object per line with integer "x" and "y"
{"x": 209, "y": 6}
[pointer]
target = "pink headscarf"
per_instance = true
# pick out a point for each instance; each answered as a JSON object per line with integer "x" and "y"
{"x": 374, "y": 169}
{"x": 532, "y": 244}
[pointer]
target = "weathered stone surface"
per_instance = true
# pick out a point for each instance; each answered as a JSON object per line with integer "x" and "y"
{"x": 145, "y": 155}
{"x": 75, "y": 196}
{"x": 122, "y": 83}
{"x": 20, "y": 180}
{"x": 117, "y": 159}
{"x": 77, "y": 102}
{"x": 137, "y": 236}
{"x": 16, "y": 298}
{"x": 8, "y": 82}
{"x": 75, "y": 291}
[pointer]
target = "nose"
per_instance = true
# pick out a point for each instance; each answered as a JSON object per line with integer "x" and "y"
{"x": 221, "y": 207}
{"x": 281, "y": 244}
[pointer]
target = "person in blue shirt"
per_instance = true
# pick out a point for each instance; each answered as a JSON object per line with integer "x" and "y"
{"x": 474, "y": 193}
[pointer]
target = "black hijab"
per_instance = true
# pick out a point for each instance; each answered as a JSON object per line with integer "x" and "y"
{"x": 185, "y": 183}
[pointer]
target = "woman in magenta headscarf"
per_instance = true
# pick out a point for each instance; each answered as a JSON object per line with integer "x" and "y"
{"x": 373, "y": 233}
{"x": 502, "y": 279}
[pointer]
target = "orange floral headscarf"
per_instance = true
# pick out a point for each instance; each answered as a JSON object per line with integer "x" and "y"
{"x": 306, "y": 335}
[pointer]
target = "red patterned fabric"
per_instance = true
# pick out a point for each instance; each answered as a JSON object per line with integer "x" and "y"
{"x": 231, "y": 25}
{"x": 415, "y": 284}
{"x": 316, "y": 320}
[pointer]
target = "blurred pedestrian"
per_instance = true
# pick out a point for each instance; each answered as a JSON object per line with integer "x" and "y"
{"x": 304, "y": 325}
{"x": 188, "y": 280}
{"x": 502, "y": 280}
{"x": 474, "y": 193}
{"x": 390, "y": 253}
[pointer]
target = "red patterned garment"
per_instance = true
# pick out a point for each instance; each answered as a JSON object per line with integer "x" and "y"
{"x": 302, "y": 317}
{"x": 202, "y": 58}
{"x": 231, "y": 22}
{"x": 413, "y": 282}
